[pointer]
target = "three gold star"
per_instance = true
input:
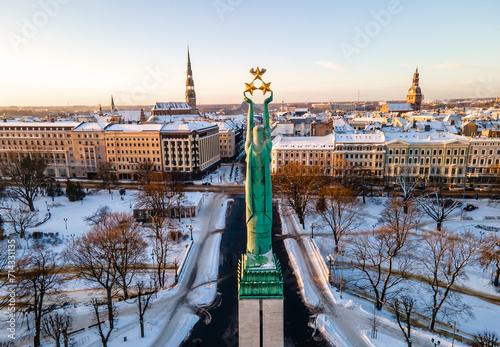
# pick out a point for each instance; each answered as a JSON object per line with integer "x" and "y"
{"x": 258, "y": 75}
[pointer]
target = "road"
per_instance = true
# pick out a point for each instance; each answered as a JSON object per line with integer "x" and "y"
{"x": 349, "y": 322}
{"x": 179, "y": 304}
{"x": 222, "y": 328}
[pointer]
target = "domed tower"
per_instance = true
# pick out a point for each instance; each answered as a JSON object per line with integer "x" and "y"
{"x": 190, "y": 94}
{"x": 415, "y": 96}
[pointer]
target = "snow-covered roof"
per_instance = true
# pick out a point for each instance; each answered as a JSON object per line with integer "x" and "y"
{"x": 134, "y": 127}
{"x": 283, "y": 129}
{"x": 172, "y": 106}
{"x": 90, "y": 126}
{"x": 399, "y": 106}
{"x": 376, "y": 138}
{"x": 424, "y": 137}
{"x": 133, "y": 115}
{"x": 188, "y": 127}
{"x": 162, "y": 119}
{"x": 41, "y": 124}
{"x": 303, "y": 142}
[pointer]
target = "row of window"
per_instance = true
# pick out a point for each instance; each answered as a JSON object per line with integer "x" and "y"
{"x": 425, "y": 152}
{"x": 424, "y": 171}
{"x": 425, "y": 161}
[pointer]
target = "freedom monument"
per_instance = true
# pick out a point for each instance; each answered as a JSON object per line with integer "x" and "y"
{"x": 260, "y": 282}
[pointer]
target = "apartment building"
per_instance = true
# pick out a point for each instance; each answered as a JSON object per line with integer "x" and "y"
{"x": 484, "y": 159}
{"x": 360, "y": 153}
{"x": 88, "y": 149}
{"x": 131, "y": 148}
{"x": 192, "y": 149}
{"x": 306, "y": 150}
{"x": 52, "y": 139}
{"x": 436, "y": 158}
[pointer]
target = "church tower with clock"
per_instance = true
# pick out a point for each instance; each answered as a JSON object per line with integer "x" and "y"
{"x": 415, "y": 96}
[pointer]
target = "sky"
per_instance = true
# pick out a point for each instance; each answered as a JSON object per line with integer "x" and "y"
{"x": 80, "y": 52}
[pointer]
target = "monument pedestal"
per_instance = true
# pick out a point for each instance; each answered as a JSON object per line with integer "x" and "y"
{"x": 260, "y": 304}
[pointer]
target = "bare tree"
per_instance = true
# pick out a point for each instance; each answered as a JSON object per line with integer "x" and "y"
{"x": 92, "y": 257}
{"x": 129, "y": 246}
{"x": 145, "y": 172}
{"x": 407, "y": 187}
{"x": 156, "y": 198}
{"x": 145, "y": 293}
{"x": 98, "y": 216}
{"x": 39, "y": 278}
{"x": 21, "y": 219}
{"x": 109, "y": 311}
{"x": 375, "y": 258}
{"x": 178, "y": 188}
{"x": 486, "y": 339}
{"x": 403, "y": 309}
{"x": 437, "y": 207}
{"x": 489, "y": 256}
{"x": 340, "y": 209}
{"x": 55, "y": 325}
{"x": 27, "y": 174}
{"x": 298, "y": 185}
{"x": 106, "y": 176}
{"x": 444, "y": 257}
{"x": 118, "y": 242}
{"x": 162, "y": 241}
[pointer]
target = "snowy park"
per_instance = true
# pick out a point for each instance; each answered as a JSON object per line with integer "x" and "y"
{"x": 472, "y": 307}
{"x": 58, "y": 226}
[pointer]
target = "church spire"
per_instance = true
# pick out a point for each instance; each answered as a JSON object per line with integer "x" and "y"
{"x": 415, "y": 96}
{"x": 190, "y": 93}
{"x": 113, "y": 108}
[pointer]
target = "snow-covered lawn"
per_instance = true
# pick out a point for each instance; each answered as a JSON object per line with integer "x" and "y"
{"x": 486, "y": 314}
{"x": 161, "y": 309}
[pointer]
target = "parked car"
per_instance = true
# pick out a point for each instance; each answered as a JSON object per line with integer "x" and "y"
{"x": 495, "y": 197}
{"x": 466, "y": 196}
{"x": 189, "y": 183}
{"x": 372, "y": 195}
{"x": 486, "y": 189}
{"x": 470, "y": 207}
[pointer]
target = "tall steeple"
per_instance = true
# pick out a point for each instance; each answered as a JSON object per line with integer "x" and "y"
{"x": 415, "y": 96}
{"x": 190, "y": 93}
{"x": 113, "y": 108}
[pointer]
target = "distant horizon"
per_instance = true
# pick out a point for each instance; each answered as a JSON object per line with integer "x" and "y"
{"x": 138, "y": 107}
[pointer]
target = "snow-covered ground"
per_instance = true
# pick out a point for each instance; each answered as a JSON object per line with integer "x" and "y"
{"x": 169, "y": 302}
{"x": 486, "y": 314}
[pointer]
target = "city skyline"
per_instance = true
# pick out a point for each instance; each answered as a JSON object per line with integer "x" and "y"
{"x": 66, "y": 52}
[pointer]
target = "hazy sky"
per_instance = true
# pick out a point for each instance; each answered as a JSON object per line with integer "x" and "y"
{"x": 54, "y": 52}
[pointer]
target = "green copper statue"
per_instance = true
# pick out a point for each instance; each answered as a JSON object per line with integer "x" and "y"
{"x": 258, "y": 181}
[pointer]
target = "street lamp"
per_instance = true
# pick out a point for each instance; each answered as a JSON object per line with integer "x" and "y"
{"x": 176, "y": 278}
{"x": 153, "y": 257}
{"x": 73, "y": 236}
{"x": 191, "y": 230}
{"x": 312, "y": 229}
{"x": 26, "y": 239}
{"x": 373, "y": 229}
{"x": 435, "y": 342}
{"x": 454, "y": 330}
{"x": 341, "y": 274}
{"x": 330, "y": 262}
{"x": 481, "y": 237}
{"x": 66, "y": 223}
{"x": 46, "y": 205}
